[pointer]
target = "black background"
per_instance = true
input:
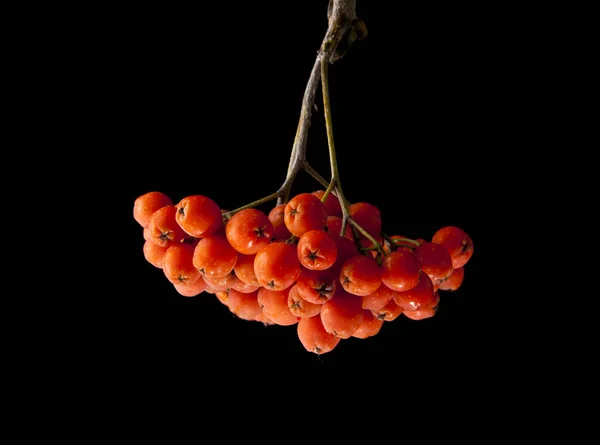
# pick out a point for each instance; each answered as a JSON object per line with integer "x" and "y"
{"x": 209, "y": 104}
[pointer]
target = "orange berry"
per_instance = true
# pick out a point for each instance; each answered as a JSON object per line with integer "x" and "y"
{"x": 145, "y": 205}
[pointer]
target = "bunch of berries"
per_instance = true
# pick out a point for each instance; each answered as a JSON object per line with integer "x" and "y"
{"x": 300, "y": 265}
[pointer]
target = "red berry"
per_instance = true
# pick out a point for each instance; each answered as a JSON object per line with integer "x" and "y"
{"x": 248, "y": 231}
{"x": 360, "y": 275}
{"x": 435, "y": 261}
{"x": 276, "y": 266}
{"x": 314, "y": 337}
{"x": 454, "y": 281}
{"x": 342, "y": 315}
{"x": 368, "y": 217}
{"x": 199, "y": 216}
{"x": 317, "y": 250}
{"x": 401, "y": 270}
{"x": 458, "y": 243}
{"x": 420, "y": 295}
{"x": 305, "y": 212}
{"x": 163, "y": 227}
{"x": 148, "y": 203}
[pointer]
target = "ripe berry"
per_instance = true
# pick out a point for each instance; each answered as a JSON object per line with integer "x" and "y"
{"x": 435, "y": 261}
{"x": 334, "y": 227}
{"x": 389, "y": 312}
{"x": 276, "y": 216}
{"x": 274, "y": 305}
{"x": 370, "y": 325}
{"x": 199, "y": 216}
{"x": 276, "y": 266}
{"x": 454, "y": 281}
{"x": 360, "y": 275}
{"x": 248, "y": 231}
{"x": 154, "y": 253}
{"x": 191, "y": 289}
{"x": 316, "y": 286}
{"x": 458, "y": 243}
{"x": 332, "y": 203}
{"x": 148, "y": 203}
{"x": 317, "y": 250}
{"x": 299, "y": 306}
{"x": 245, "y": 306}
{"x": 426, "y": 311}
{"x": 304, "y": 212}
{"x": 420, "y": 295}
{"x": 214, "y": 256}
{"x": 163, "y": 227}
{"x": 367, "y": 216}
{"x": 401, "y": 270}
{"x": 178, "y": 265}
{"x": 314, "y": 337}
{"x": 378, "y": 299}
{"x": 342, "y": 315}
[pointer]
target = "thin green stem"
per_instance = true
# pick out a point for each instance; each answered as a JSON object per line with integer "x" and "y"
{"x": 335, "y": 177}
{"x": 272, "y": 196}
{"x": 315, "y": 174}
{"x": 328, "y": 124}
{"x": 400, "y": 241}
{"x": 328, "y": 191}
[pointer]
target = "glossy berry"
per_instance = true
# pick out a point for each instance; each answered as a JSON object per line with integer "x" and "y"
{"x": 274, "y": 305}
{"x": 314, "y": 337}
{"x": 163, "y": 227}
{"x": 301, "y": 307}
{"x": 317, "y": 250}
{"x": 276, "y": 216}
{"x": 426, "y": 311}
{"x": 304, "y": 212}
{"x": 178, "y": 264}
{"x": 435, "y": 261}
{"x": 214, "y": 256}
{"x": 248, "y": 231}
{"x": 191, "y": 289}
{"x": 332, "y": 203}
{"x": 245, "y": 306}
{"x": 378, "y": 299}
{"x": 389, "y": 312}
{"x": 401, "y": 270}
{"x": 199, "y": 215}
{"x": 342, "y": 315}
{"x": 454, "y": 281}
{"x": 419, "y": 296}
{"x": 458, "y": 243}
{"x": 276, "y": 266}
{"x": 148, "y": 203}
{"x": 154, "y": 253}
{"x": 368, "y": 216}
{"x": 370, "y": 325}
{"x": 315, "y": 286}
{"x": 334, "y": 227}
{"x": 360, "y": 275}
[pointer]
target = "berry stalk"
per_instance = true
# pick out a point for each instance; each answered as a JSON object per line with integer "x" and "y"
{"x": 335, "y": 176}
{"x": 343, "y": 27}
{"x": 272, "y": 196}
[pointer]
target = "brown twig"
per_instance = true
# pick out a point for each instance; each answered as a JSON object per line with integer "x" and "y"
{"x": 343, "y": 28}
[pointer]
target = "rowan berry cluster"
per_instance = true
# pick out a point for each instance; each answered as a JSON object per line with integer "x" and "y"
{"x": 300, "y": 264}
